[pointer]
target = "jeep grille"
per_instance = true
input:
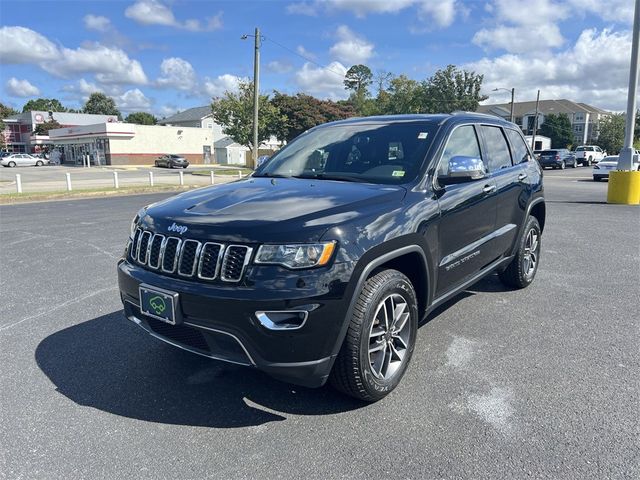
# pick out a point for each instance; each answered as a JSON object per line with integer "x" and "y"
{"x": 189, "y": 258}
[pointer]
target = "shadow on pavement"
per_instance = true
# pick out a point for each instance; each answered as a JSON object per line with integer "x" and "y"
{"x": 110, "y": 364}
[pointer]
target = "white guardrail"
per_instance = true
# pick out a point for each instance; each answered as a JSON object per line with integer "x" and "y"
{"x": 116, "y": 180}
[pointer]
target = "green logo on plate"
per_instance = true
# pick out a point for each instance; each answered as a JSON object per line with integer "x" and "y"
{"x": 158, "y": 305}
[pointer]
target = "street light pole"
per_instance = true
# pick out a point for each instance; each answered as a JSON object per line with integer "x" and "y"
{"x": 256, "y": 96}
{"x": 535, "y": 122}
{"x": 625, "y": 160}
{"x": 513, "y": 94}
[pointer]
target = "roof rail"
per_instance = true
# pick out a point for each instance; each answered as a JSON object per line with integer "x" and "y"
{"x": 462, "y": 112}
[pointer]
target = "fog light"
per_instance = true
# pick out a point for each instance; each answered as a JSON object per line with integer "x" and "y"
{"x": 282, "y": 319}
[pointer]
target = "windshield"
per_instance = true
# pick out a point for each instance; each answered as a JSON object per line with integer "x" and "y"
{"x": 380, "y": 153}
{"x": 580, "y": 149}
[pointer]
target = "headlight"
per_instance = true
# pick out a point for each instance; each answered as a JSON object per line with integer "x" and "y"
{"x": 303, "y": 255}
{"x": 134, "y": 222}
{"x": 596, "y": 167}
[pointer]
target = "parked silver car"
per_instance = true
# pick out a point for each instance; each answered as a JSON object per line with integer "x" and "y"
{"x": 23, "y": 160}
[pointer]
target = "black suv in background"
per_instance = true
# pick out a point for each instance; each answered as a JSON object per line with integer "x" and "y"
{"x": 558, "y": 158}
{"x": 322, "y": 263}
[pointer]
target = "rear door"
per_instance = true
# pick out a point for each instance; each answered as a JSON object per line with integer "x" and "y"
{"x": 510, "y": 178}
{"x": 467, "y": 215}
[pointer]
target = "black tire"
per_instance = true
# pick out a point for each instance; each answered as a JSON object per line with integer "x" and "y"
{"x": 12, "y": 164}
{"x": 596, "y": 179}
{"x": 156, "y": 163}
{"x": 589, "y": 161}
{"x": 39, "y": 163}
{"x": 575, "y": 164}
{"x": 563, "y": 166}
{"x": 353, "y": 372}
{"x": 520, "y": 272}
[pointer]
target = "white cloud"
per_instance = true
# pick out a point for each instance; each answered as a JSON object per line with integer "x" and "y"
{"x": 517, "y": 29}
{"x": 154, "y": 12}
{"x": 302, "y": 8}
{"x": 133, "y": 101}
{"x": 216, "y": 87}
{"x": 97, "y": 23}
{"x": 177, "y": 73}
{"x": 361, "y": 8}
{"x": 609, "y": 10}
{"x": 305, "y": 53}
{"x": 111, "y": 65}
{"x": 323, "y": 82}
{"x": 351, "y": 48}
{"x": 594, "y": 70}
{"x": 443, "y": 12}
{"x": 23, "y": 45}
{"x": 21, "y": 88}
{"x": 279, "y": 66}
{"x": 83, "y": 88}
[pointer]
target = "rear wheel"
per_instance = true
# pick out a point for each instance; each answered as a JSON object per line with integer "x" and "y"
{"x": 380, "y": 339}
{"x": 589, "y": 161}
{"x": 522, "y": 269}
{"x": 563, "y": 166}
{"x": 39, "y": 163}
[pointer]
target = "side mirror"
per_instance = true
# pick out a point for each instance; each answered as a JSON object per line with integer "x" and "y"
{"x": 462, "y": 169}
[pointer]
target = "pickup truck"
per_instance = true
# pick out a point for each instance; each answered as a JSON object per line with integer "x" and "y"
{"x": 588, "y": 154}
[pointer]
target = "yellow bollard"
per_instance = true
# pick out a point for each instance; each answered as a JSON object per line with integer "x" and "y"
{"x": 624, "y": 188}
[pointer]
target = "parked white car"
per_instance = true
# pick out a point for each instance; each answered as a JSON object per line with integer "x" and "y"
{"x": 23, "y": 160}
{"x": 588, "y": 154}
{"x": 602, "y": 169}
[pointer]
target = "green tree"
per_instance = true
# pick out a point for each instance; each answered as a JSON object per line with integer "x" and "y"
{"x": 451, "y": 89}
{"x": 611, "y": 136}
{"x": 358, "y": 79}
{"x": 405, "y": 95}
{"x": 300, "y": 112}
{"x": 99, "y": 104}
{"x": 558, "y": 129}
{"x": 234, "y": 111}
{"x": 5, "y": 112}
{"x": 141, "y": 118}
{"x": 44, "y": 105}
{"x": 43, "y": 128}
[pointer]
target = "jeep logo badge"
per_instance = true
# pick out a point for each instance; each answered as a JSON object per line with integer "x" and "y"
{"x": 158, "y": 305}
{"x": 177, "y": 228}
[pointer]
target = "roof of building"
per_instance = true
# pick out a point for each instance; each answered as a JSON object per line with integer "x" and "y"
{"x": 225, "y": 142}
{"x": 64, "y": 118}
{"x": 545, "y": 107}
{"x": 189, "y": 115}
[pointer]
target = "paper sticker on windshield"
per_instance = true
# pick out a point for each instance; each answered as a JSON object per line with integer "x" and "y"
{"x": 422, "y": 135}
{"x": 398, "y": 173}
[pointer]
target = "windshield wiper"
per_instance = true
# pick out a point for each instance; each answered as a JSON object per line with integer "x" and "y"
{"x": 324, "y": 176}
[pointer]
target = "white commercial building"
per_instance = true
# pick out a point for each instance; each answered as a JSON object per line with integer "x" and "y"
{"x": 131, "y": 144}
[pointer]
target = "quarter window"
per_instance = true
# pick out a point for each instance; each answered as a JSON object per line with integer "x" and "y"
{"x": 462, "y": 142}
{"x": 520, "y": 150}
{"x": 498, "y": 155}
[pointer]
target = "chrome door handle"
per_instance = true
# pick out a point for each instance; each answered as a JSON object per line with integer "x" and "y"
{"x": 522, "y": 176}
{"x": 489, "y": 188}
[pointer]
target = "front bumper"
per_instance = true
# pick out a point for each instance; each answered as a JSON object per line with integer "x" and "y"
{"x": 220, "y": 322}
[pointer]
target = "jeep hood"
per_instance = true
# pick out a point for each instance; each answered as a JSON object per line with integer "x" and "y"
{"x": 270, "y": 209}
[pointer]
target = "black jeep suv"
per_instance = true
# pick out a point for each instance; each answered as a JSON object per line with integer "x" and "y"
{"x": 321, "y": 264}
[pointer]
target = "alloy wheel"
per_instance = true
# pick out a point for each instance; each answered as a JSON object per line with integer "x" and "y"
{"x": 389, "y": 336}
{"x": 530, "y": 258}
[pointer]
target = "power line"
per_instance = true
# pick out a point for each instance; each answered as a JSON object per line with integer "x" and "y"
{"x": 326, "y": 67}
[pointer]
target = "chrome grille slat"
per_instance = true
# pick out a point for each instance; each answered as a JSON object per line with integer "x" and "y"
{"x": 143, "y": 247}
{"x": 155, "y": 251}
{"x": 189, "y": 258}
{"x": 172, "y": 250}
{"x": 209, "y": 256}
{"x": 236, "y": 258}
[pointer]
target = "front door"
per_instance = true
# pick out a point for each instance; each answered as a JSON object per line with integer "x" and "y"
{"x": 467, "y": 216}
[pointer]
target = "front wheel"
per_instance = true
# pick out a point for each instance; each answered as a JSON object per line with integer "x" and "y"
{"x": 522, "y": 269}
{"x": 380, "y": 339}
{"x": 39, "y": 163}
{"x": 12, "y": 164}
{"x": 563, "y": 166}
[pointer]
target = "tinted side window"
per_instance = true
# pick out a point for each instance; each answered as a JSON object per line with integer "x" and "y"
{"x": 519, "y": 148}
{"x": 498, "y": 152}
{"x": 462, "y": 142}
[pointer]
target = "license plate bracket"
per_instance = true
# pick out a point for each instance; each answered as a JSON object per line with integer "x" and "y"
{"x": 159, "y": 304}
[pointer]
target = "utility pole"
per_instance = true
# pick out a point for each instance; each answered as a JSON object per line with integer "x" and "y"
{"x": 535, "y": 122}
{"x": 256, "y": 97}
{"x": 513, "y": 94}
{"x": 625, "y": 160}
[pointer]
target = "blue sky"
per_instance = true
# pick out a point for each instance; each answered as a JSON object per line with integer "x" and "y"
{"x": 164, "y": 55}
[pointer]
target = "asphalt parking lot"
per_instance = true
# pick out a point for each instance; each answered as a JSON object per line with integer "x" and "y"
{"x": 541, "y": 383}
